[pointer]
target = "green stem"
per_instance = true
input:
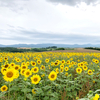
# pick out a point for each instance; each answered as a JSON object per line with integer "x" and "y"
{"x": 9, "y": 92}
{"x": 25, "y": 93}
{"x": 24, "y": 96}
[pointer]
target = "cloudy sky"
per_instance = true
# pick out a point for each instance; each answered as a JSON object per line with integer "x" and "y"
{"x": 49, "y": 21}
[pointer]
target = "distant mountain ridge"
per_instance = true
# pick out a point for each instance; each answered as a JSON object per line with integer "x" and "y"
{"x": 50, "y": 44}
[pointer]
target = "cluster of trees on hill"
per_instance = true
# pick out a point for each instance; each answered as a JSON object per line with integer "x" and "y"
{"x": 94, "y": 48}
{"x": 12, "y": 49}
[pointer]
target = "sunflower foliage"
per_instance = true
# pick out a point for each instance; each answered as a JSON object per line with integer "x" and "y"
{"x": 49, "y": 76}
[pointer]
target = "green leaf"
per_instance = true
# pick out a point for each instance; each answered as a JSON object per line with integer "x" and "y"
{"x": 20, "y": 98}
{"x": 52, "y": 98}
{"x": 2, "y": 94}
{"x": 46, "y": 87}
{"x": 29, "y": 96}
{"x": 26, "y": 90}
{"x": 97, "y": 91}
{"x": 46, "y": 98}
{"x": 84, "y": 99}
{"x": 15, "y": 88}
{"x": 28, "y": 83}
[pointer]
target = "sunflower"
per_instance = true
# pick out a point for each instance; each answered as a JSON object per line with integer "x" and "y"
{"x": 61, "y": 66}
{"x": 6, "y": 58}
{"x": 12, "y": 65}
{"x": 57, "y": 70}
{"x": 39, "y": 61}
{"x": 42, "y": 67}
{"x": 35, "y": 79}
{"x": 85, "y": 67}
{"x": 68, "y": 62}
{"x": 66, "y": 74}
{"x": 3, "y": 70}
{"x": 81, "y": 64}
{"x": 4, "y": 88}
{"x": 23, "y": 63}
{"x": 70, "y": 66}
{"x": 6, "y": 66}
{"x": 78, "y": 70}
{"x": 33, "y": 91}
{"x": 46, "y": 60}
{"x": 34, "y": 58}
{"x": 72, "y": 63}
{"x": 93, "y": 60}
{"x": 96, "y": 61}
{"x": 56, "y": 63}
{"x": 22, "y": 71}
{"x": 90, "y": 72}
{"x": 42, "y": 75}
{"x": 27, "y": 63}
{"x": 17, "y": 67}
{"x": 96, "y": 97}
{"x": 18, "y": 60}
{"x": 35, "y": 70}
{"x": 52, "y": 63}
{"x": 27, "y": 73}
{"x": 10, "y": 75}
{"x": 78, "y": 60}
{"x": 24, "y": 67}
{"x": 1, "y": 60}
{"x": 52, "y": 76}
{"x": 61, "y": 70}
{"x": 63, "y": 61}
{"x": 33, "y": 63}
{"x": 66, "y": 68}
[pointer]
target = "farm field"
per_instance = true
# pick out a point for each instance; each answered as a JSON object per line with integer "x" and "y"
{"x": 76, "y": 50}
{"x": 68, "y": 75}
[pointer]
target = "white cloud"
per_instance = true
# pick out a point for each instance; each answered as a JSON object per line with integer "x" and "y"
{"x": 44, "y": 17}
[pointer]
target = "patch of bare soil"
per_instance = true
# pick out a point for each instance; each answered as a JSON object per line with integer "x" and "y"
{"x": 76, "y": 50}
{"x": 23, "y": 48}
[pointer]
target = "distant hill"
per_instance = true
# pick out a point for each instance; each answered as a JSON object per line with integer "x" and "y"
{"x": 50, "y": 44}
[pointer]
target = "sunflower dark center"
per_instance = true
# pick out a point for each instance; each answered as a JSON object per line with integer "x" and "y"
{"x": 52, "y": 76}
{"x": 33, "y": 63}
{"x": 4, "y": 69}
{"x": 23, "y": 71}
{"x": 90, "y": 71}
{"x": 27, "y": 73}
{"x": 9, "y": 74}
{"x": 35, "y": 69}
{"x": 78, "y": 70}
{"x": 3, "y": 88}
{"x": 16, "y": 67}
{"x": 6, "y": 66}
{"x": 56, "y": 63}
{"x": 35, "y": 79}
{"x": 12, "y": 64}
{"x": 24, "y": 67}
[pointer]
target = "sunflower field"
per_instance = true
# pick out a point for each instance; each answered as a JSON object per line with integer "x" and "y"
{"x": 49, "y": 76}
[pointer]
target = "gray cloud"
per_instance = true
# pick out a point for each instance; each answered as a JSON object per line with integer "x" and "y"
{"x": 40, "y": 37}
{"x": 13, "y": 5}
{"x": 31, "y": 37}
{"x": 73, "y": 2}
{"x": 7, "y": 3}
